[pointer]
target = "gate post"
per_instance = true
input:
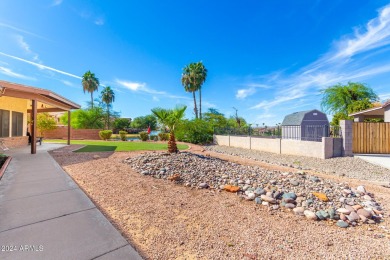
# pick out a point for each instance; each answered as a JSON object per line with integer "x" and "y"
{"x": 346, "y": 134}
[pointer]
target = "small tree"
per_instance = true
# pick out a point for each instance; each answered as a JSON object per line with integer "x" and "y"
{"x": 45, "y": 122}
{"x": 170, "y": 118}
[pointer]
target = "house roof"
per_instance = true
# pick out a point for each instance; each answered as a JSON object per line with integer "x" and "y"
{"x": 297, "y": 117}
{"x": 58, "y": 103}
{"x": 374, "y": 111}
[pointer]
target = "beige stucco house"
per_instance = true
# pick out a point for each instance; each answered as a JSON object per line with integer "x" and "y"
{"x": 382, "y": 112}
{"x": 19, "y": 105}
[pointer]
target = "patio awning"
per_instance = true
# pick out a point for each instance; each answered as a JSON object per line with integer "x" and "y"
{"x": 50, "y": 102}
{"x": 56, "y": 102}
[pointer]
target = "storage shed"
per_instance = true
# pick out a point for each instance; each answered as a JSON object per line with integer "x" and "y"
{"x": 309, "y": 125}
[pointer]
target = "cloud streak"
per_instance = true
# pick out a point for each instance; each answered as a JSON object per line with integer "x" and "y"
{"x": 4, "y": 25}
{"x": 10, "y": 73}
{"x": 345, "y": 61}
{"x": 41, "y": 66}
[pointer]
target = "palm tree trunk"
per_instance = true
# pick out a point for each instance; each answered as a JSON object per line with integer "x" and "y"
{"x": 195, "y": 108}
{"x": 91, "y": 99}
{"x": 172, "y": 147}
{"x": 200, "y": 103}
{"x": 108, "y": 118}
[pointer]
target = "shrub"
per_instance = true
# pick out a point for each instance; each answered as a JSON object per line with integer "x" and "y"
{"x": 144, "y": 136}
{"x": 195, "y": 131}
{"x": 105, "y": 134}
{"x": 154, "y": 137}
{"x": 123, "y": 134}
{"x": 163, "y": 136}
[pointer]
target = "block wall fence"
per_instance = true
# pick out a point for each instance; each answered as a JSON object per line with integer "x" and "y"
{"x": 61, "y": 132}
{"x": 329, "y": 147}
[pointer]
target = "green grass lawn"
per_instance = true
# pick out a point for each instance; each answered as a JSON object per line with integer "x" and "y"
{"x": 104, "y": 146}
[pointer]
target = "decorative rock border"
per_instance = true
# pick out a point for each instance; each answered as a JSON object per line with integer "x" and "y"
{"x": 301, "y": 193}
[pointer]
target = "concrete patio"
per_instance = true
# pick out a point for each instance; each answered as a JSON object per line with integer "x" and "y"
{"x": 45, "y": 215}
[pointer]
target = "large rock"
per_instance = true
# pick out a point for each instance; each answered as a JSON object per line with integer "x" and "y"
{"x": 289, "y": 195}
{"x": 231, "y": 188}
{"x": 344, "y": 211}
{"x": 361, "y": 189}
{"x": 365, "y": 213}
{"x": 321, "y": 196}
{"x": 353, "y": 216}
{"x": 310, "y": 215}
{"x": 268, "y": 199}
{"x": 342, "y": 224}
{"x": 299, "y": 211}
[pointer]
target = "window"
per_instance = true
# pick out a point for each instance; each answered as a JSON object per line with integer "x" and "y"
{"x": 4, "y": 123}
{"x": 17, "y": 124}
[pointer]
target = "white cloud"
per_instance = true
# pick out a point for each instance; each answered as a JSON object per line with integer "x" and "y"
{"x": 56, "y": 2}
{"x": 138, "y": 87}
{"x": 99, "y": 21}
{"x": 375, "y": 34}
{"x": 24, "y": 45}
{"x": 9, "y": 72}
{"x": 156, "y": 99}
{"x": 68, "y": 83}
{"x": 250, "y": 90}
{"x": 40, "y": 66}
{"x": 243, "y": 93}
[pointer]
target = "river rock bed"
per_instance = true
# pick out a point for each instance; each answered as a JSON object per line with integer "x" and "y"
{"x": 301, "y": 193}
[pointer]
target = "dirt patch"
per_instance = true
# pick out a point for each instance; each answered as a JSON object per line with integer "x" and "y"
{"x": 167, "y": 221}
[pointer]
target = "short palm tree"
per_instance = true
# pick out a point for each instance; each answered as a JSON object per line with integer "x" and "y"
{"x": 108, "y": 97}
{"x": 193, "y": 77}
{"x": 170, "y": 118}
{"x": 90, "y": 84}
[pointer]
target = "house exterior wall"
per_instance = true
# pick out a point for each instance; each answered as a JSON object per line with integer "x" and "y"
{"x": 16, "y": 142}
{"x": 17, "y": 105}
{"x": 387, "y": 114}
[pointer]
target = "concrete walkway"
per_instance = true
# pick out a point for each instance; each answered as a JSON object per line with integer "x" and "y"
{"x": 378, "y": 159}
{"x": 45, "y": 215}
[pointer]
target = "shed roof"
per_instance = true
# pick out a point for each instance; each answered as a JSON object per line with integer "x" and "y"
{"x": 296, "y": 118}
{"x": 60, "y": 103}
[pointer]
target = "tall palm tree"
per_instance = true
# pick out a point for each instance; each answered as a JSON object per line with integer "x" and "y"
{"x": 193, "y": 77}
{"x": 90, "y": 84}
{"x": 170, "y": 118}
{"x": 108, "y": 97}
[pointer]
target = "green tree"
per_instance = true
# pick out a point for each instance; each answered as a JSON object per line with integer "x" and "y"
{"x": 143, "y": 122}
{"x": 121, "y": 123}
{"x": 170, "y": 118}
{"x": 108, "y": 97}
{"x": 45, "y": 122}
{"x": 193, "y": 77}
{"x": 343, "y": 99}
{"x": 215, "y": 118}
{"x": 90, "y": 84}
{"x": 92, "y": 118}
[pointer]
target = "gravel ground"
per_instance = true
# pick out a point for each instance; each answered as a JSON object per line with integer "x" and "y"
{"x": 168, "y": 221}
{"x": 343, "y": 166}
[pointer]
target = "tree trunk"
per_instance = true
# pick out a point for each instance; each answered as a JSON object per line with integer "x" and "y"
{"x": 92, "y": 100}
{"x": 108, "y": 118}
{"x": 200, "y": 103}
{"x": 195, "y": 108}
{"x": 172, "y": 147}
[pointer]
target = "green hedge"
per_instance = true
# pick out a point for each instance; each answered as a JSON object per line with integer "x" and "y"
{"x": 195, "y": 131}
{"x": 105, "y": 134}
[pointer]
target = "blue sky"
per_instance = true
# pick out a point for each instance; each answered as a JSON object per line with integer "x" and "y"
{"x": 266, "y": 58}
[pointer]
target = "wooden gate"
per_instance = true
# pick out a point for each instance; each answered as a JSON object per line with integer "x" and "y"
{"x": 371, "y": 138}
